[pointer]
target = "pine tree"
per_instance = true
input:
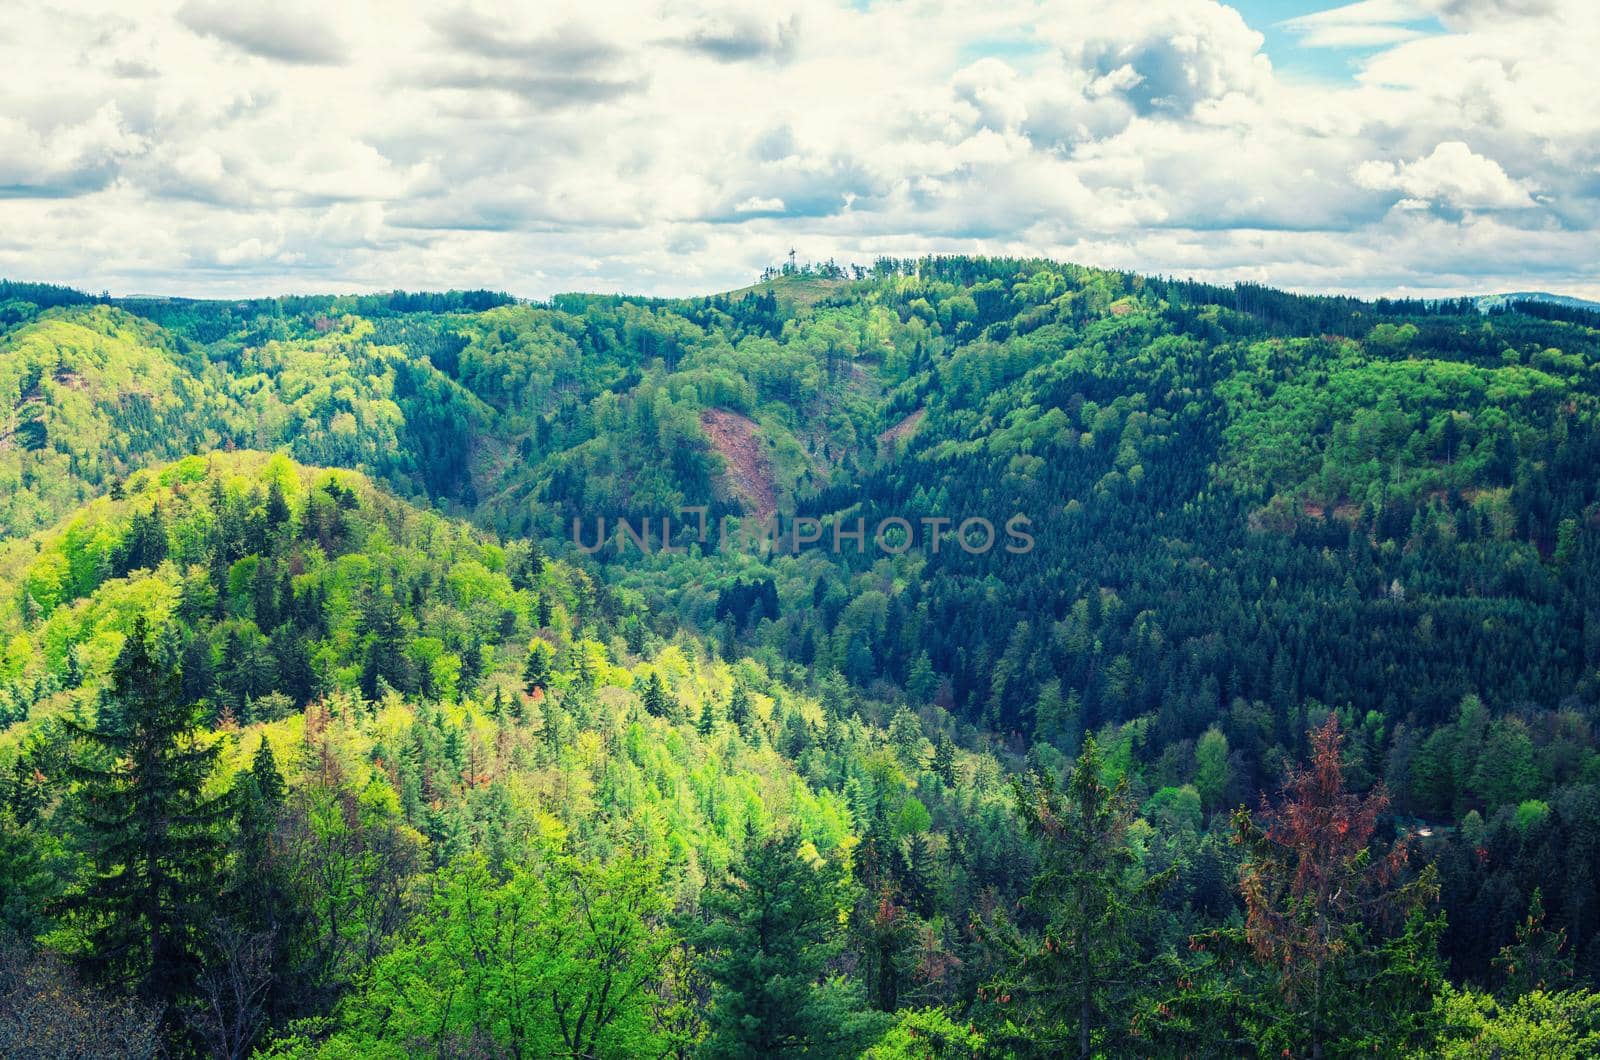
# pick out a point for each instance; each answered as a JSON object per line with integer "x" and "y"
{"x": 774, "y": 929}
{"x": 657, "y": 702}
{"x": 1064, "y": 986}
{"x": 154, "y": 848}
{"x": 536, "y": 671}
{"x": 1536, "y": 961}
{"x": 944, "y": 759}
{"x": 707, "y": 721}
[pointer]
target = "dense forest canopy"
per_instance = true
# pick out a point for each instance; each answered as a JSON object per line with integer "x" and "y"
{"x": 323, "y": 735}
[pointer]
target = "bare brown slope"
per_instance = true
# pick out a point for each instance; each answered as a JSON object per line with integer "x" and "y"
{"x": 738, "y": 439}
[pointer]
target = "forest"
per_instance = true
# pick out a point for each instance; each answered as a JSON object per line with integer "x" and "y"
{"x": 322, "y": 733}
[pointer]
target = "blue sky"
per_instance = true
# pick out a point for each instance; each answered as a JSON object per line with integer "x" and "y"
{"x": 1387, "y": 146}
{"x": 1289, "y": 54}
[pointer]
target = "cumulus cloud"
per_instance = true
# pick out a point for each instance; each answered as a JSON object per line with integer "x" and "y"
{"x": 1452, "y": 175}
{"x": 70, "y": 159}
{"x": 678, "y": 146}
{"x": 1161, "y": 57}
{"x": 286, "y": 33}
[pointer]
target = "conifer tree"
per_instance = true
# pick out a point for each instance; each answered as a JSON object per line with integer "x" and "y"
{"x": 1344, "y": 930}
{"x": 657, "y": 702}
{"x": 1063, "y": 986}
{"x": 774, "y": 929}
{"x": 536, "y": 671}
{"x": 152, "y": 832}
{"x": 739, "y": 705}
{"x": 1536, "y": 961}
{"x": 944, "y": 759}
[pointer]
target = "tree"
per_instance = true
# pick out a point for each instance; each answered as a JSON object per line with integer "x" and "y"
{"x": 657, "y": 701}
{"x": 46, "y": 1012}
{"x": 1340, "y": 926}
{"x": 347, "y": 864}
{"x": 739, "y": 705}
{"x": 922, "y": 681}
{"x": 944, "y": 759}
{"x": 1536, "y": 1026}
{"x": 277, "y": 505}
{"x": 1213, "y": 775}
{"x": 1061, "y": 985}
{"x": 1535, "y": 961}
{"x": 774, "y": 928}
{"x": 927, "y": 1034}
{"x": 152, "y": 837}
{"x": 536, "y": 670}
{"x": 905, "y": 736}
{"x": 557, "y": 961}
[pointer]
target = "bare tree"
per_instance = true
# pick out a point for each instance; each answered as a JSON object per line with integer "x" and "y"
{"x": 232, "y": 990}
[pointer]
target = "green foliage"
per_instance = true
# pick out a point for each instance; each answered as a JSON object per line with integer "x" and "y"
{"x": 927, "y": 1034}
{"x": 774, "y": 926}
{"x": 1065, "y": 988}
{"x": 153, "y": 849}
{"x": 559, "y": 960}
{"x": 1536, "y": 961}
{"x": 1546, "y": 1026}
{"x": 1213, "y": 775}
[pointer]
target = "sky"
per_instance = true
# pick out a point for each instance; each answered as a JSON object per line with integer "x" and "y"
{"x": 210, "y": 148}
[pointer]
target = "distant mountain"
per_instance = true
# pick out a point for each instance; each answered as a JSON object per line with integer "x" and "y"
{"x": 1487, "y": 302}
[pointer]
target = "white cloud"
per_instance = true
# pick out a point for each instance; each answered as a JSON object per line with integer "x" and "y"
{"x": 287, "y": 33}
{"x": 1452, "y": 176}
{"x": 1366, "y": 24}
{"x": 677, "y": 146}
{"x": 73, "y": 158}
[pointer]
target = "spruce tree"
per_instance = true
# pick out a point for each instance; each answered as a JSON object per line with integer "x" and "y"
{"x": 774, "y": 929}
{"x": 536, "y": 671}
{"x": 255, "y": 886}
{"x": 657, "y": 702}
{"x": 944, "y": 759}
{"x": 739, "y": 705}
{"x": 1333, "y": 915}
{"x": 1537, "y": 960}
{"x": 1065, "y": 986}
{"x": 151, "y": 831}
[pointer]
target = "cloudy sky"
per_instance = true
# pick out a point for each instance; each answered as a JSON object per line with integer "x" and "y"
{"x": 212, "y": 147}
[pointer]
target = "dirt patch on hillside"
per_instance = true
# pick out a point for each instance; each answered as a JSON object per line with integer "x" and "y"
{"x": 904, "y": 429}
{"x": 738, "y": 439}
{"x": 1345, "y": 512}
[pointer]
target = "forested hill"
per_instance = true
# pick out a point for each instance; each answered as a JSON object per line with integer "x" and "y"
{"x": 1342, "y": 556}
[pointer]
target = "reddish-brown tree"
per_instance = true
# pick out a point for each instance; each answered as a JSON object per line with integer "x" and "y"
{"x": 1315, "y": 887}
